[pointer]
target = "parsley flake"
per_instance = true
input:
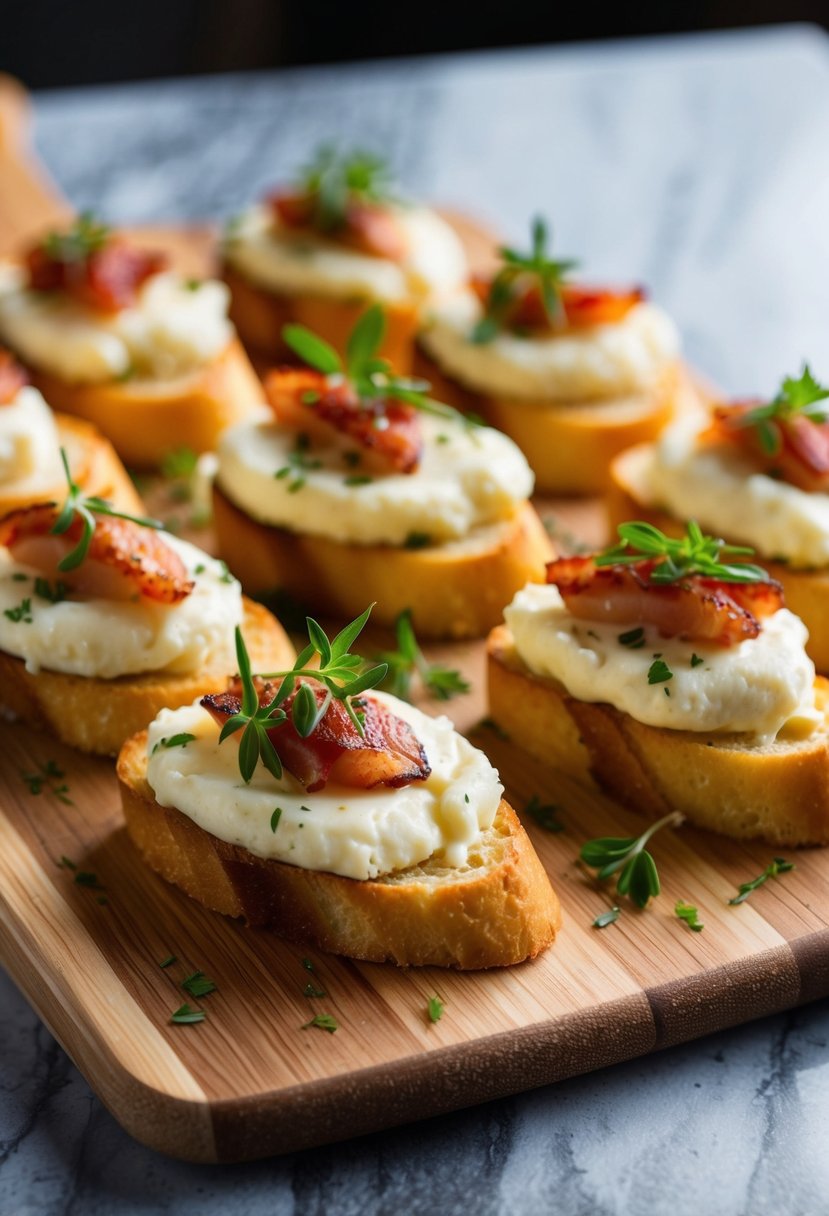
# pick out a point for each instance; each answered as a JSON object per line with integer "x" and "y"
{"x": 659, "y": 672}
{"x": 607, "y": 918}
{"x": 435, "y": 1008}
{"x": 689, "y": 914}
{"x": 198, "y": 984}
{"x": 185, "y": 1015}
{"x": 22, "y": 614}
{"x": 322, "y": 1021}
{"x": 545, "y": 814}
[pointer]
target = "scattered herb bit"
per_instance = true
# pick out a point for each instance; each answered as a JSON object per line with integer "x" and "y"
{"x": 545, "y": 814}
{"x": 19, "y": 577}
{"x": 66, "y": 863}
{"x": 695, "y": 553}
{"x": 179, "y": 463}
{"x": 796, "y": 397}
{"x": 323, "y": 1021}
{"x": 659, "y": 672}
{"x": 334, "y": 179}
{"x": 776, "y": 867}
{"x": 198, "y": 984}
{"x": 607, "y": 918}
{"x": 696, "y": 661}
{"x": 226, "y": 576}
{"x": 634, "y": 638}
{"x": 22, "y": 614}
{"x": 628, "y": 857}
{"x": 192, "y": 284}
{"x": 299, "y": 464}
{"x": 689, "y": 914}
{"x": 275, "y": 818}
{"x": 408, "y": 660}
{"x": 435, "y": 1008}
{"x": 417, "y": 540}
{"x": 180, "y": 740}
{"x": 548, "y": 274}
{"x": 466, "y": 798}
{"x": 185, "y": 1015}
{"x": 47, "y": 778}
{"x": 308, "y": 965}
{"x": 358, "y": 479}
{"x": 54, "y": 593}
{"x": 311, "y": 990}
{"x": 498, "y": 731}
{"x": 200, "y": 569}
{"x": 86, "y": 878}
{"x": 86, "y": 235}
{"x": 168, "y": 961}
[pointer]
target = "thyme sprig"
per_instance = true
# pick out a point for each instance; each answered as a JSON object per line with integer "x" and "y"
{"x": 86, "y": 236}
{"x": 800, "y": 396}
{"x": 549, "y": 273}
{"x": 334, "y": 179}
{"x": 369, "y": 375}
{"x": 777, "y": 866}
{"x": 408, "y": 661}
{"x": 695, "y": 553}
{"x": 85, "y": 507}
{"x": 343, "y": 674}
{"x": 627, "y": 856}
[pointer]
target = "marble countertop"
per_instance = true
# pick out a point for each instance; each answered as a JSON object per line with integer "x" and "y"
{"x": 697, "y": 165}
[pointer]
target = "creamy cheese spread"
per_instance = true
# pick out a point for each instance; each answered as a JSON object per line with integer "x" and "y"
{"x": 718, "y": 485}
{"x": 29, "y": 445}
{"x": 576, "y": 365}
{"x": 468, "y": 477}
{"x": 106, "y": 638}
{"x": 171, "y": 330}
{"x": 356, "y": 833}
{"x": 754, "y": 687}
{"x": 300, "y": 263}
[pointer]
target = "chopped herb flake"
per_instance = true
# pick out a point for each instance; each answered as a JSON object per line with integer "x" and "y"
{"x": 607, "y": 918}
{"x": 185, "y": 1015}
{"x": 323, "y": 1021}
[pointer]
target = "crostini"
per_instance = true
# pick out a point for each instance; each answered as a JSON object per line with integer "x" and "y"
{"x": 357, "y": 484}
{"x": 573, "y": 374}
{"x": 323, "y": 250}
{"x": 755, "y": 471}
{"x": 109, "y": 334}
{"x": 31, "y": 438}
{"x": 673, "y": 675}
{"x": 360, "y": 825}
{"x": 104, "y": 620}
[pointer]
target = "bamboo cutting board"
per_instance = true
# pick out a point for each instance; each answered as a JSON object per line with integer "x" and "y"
{"x": 249, "y": 1080}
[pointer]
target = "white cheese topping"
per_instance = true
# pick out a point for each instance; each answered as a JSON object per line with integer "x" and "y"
{"x": 295, "y": 263}
{"x": 468, "y": 477}
{"x": 170, "y": 331}
{"x": 356, "y": 833}
{"x": 29, "y": 445}
{"x": 719, "y": 487}
{"x": 756, "y": 686}
{"x": 577, "y": 365}
{"x": 105, "y": 638}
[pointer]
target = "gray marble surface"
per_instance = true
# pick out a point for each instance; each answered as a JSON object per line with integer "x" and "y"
{"x": 699, "y": 166}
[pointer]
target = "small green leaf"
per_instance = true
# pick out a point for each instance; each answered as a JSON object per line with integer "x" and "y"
{"x": 659, "y": 672}
{"x": 185, "y": 1015}
{"x": 323, "y": 1021}
{"x": 275, "y": 818}
{"x": 312, "y": 350}
{"x": 606, "y": 918}
{"x": 435, "y": 1008}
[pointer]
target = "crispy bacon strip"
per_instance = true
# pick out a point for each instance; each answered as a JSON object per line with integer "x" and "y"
{"x": 107, "y": 279}
{"x": 368, "y": 227}
{"x": 389, "y": 754}
{"x": 695, "y": 608}
{"x": 386, "y": 433}
{"x": 124, "y": 560}
{"x": 803, "y": 457}
{"x": 12, "y": 377}
{"x": 583, "y": 306}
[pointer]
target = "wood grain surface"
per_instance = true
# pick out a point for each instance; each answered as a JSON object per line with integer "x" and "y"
{"x": 249, "y": 1081}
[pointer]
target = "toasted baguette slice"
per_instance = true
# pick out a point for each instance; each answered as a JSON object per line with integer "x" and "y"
{"x": 777, "y": 792}
{"x": 145, "y": 419}
{"x": 497, "y": 910}
{"x": 806, "y": 591}
{"x": 95, "y": 467}
{"x": 97, "y": 715}
{"x": 455, "y": 590}
{"x": 570, "y": 444}
{"x": 259, "y": 316}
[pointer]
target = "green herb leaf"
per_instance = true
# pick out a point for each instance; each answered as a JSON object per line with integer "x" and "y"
{"x": 180, "y": 740}
{"x": 311, "y": 991}
{"x": 634, "y": 638}
{"x": 628, "y": 858}
{"x": 85, "y": 236}
{"x": 689, "y": 914}
{"x": 86, "y": 878}
{"x": 545, "y": 814}
{"x": 333, "y": 179}
{"x": 275, "y": 818}
{"x": 22, "y": 614}
{"x": 52, "y": 593}
{"x": 674, "y": 560}
{"x": 435, "y": 1008}
{"x": 168, "y": 961}
{"x": 417, "y": 540}
{"x": 797, "y": 396}
{"x": 776, "y": 867}
{"x": 198, "y": 984}
{"x": 607, "y": 918}
{"x": 185, "y": 1015}
{"x": 659, "y": 672}
{"x": 312, "y": 350}
{"x": 323, "y": 1021}
{"x": 537, "y": 268}
{"x": 408, "y": 660}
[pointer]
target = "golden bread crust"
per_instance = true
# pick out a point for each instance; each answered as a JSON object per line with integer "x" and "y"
{"x": 496, "y": 912}
{"x": 97, "y": 715}
{"x": 777, "y": 792}
{"x": 452, "y": 593}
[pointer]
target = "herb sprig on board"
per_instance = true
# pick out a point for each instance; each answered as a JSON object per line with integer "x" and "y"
{"x": 777, "y": 866}
{"x": 548, "y": 274}
{"x": 797, "y": 397}
{"x": 344, "y": 676}
{"x": 408, "y": 661}
{"x": 334, "y": 179}
{"x": 627, "y": 857}
{"x": 695, "y": 553}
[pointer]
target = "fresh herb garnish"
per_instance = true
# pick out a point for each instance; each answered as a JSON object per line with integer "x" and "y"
{"x": 778, "y": 866}
{"x": 408, "y": 660}
{"x": 308, "y": 965}
{"x": 22, "y": 614}
{"x": 311, "y": 990}
{"x": 299, "y": 463}
{"x": 168, "y": 961}
{"x": 628, "y": 857}
{"x": 796, "y": 397}
{"x": 66, "y": 863}
{"x": 607, "y": 918}
{"x": 358, "y": 479}
{"x": 332, "y": 180}
{"x": 634, "y": 638}
{"x": 185, "y": 1015}
{"x": 545, "y": 814}
{"x": 323, "y": 1021}
{"x": 275, "y": 818}
{"x": 677, "y": 559}
{"x": 417, "y": 540}
{"x": 47, "y": 778}
{"x": 690, "y": 915}
{"x": 549, "y": 275}
{"x": 53, "y": 593}
{"x": 180, "y": 740}
{"x": 497, "y": 730}
{"x": 659, "y": 672}
{"x": 343, "y": 674}
{"x": 87, "y": 878}
{"x": 198, "y": 984}
{"x": 179, "y": 463}
{"x": 696, "y": 661}
{"x": 79, "y": 506}
{"x": 86, "y": 236}
{"x": 369, "y": 375}
{"x": 435, "y": 1008}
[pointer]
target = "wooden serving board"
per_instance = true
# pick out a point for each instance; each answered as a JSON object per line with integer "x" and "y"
{"x": 249, "y": 1081}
